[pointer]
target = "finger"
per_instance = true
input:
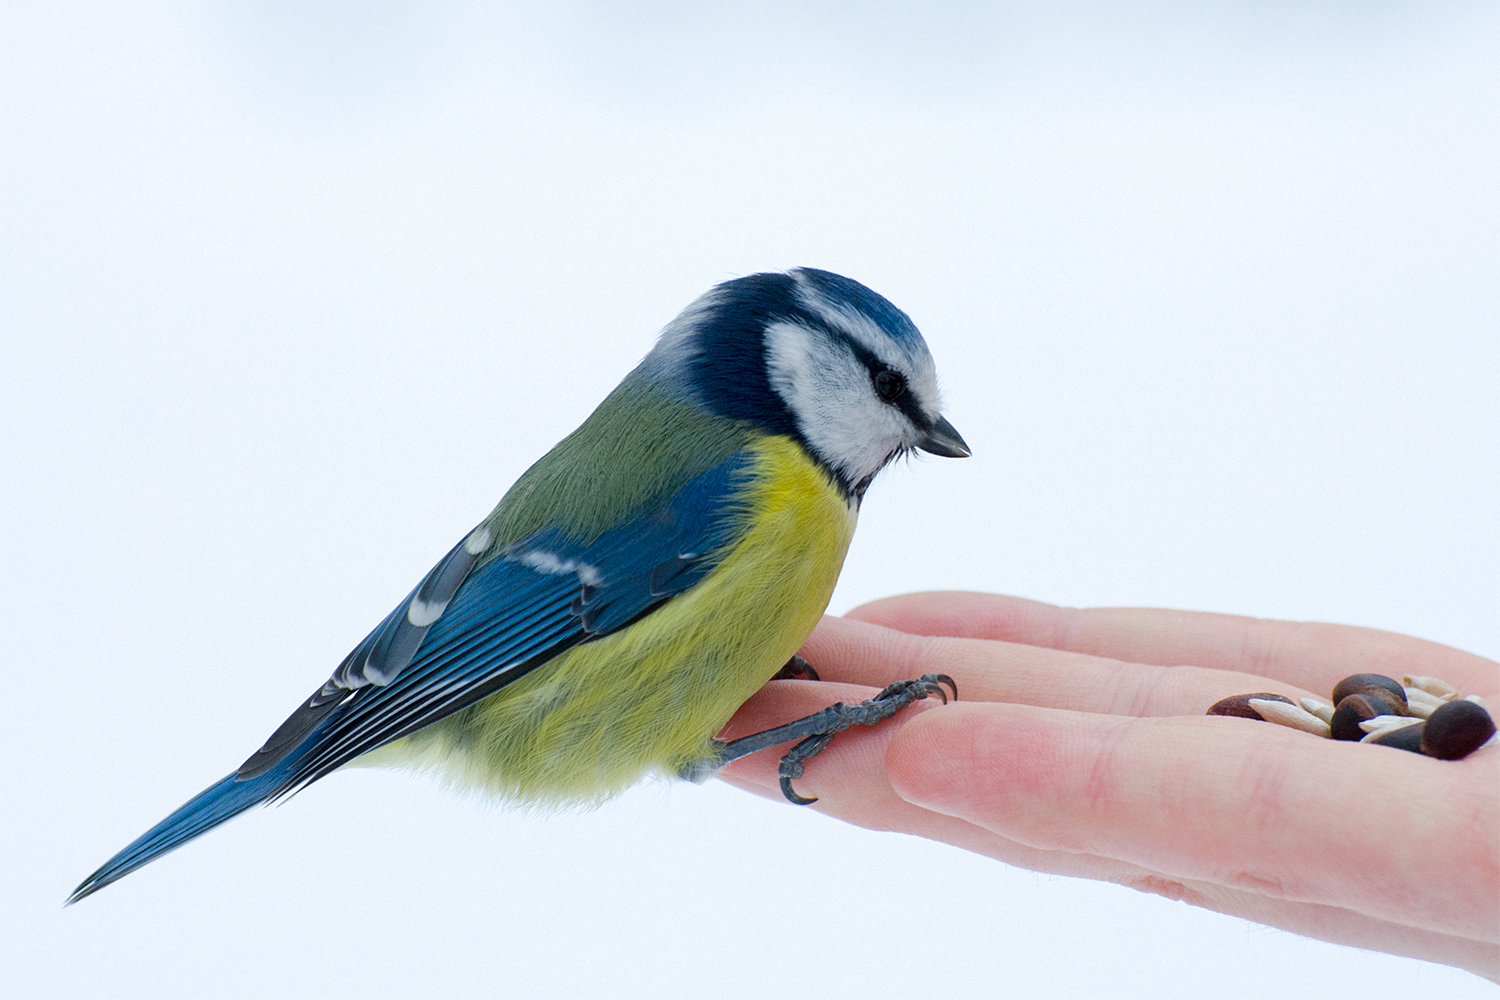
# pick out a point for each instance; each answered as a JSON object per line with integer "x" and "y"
{"x": 851, "y": 784}
{"x": 1311, "y": 655}
{"x": 985, "y": 670}
{"x": 1335, "y": 924}
{"x": 1231, "y": 802}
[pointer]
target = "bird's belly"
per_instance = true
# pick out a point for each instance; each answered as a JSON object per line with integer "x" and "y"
{"x": 651, "y": 696}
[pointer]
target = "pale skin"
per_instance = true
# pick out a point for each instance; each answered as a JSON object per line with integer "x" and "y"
{"x": 1080, "y": 746}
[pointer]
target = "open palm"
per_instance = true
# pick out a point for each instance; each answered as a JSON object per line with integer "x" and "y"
{"x": 1080, "y": 747}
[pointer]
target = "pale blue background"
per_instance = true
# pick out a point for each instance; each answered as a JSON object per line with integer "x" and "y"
{"x": 290, "y": 294}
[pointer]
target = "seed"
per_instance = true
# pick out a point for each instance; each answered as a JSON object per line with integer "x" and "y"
{"x": 1433, "y": 686}
{"x": 1238, "y": 705}
{"x": 1457, "y": 730}
{"x": 1286, "y": 714}
{"x": 1420, "y": 703}
{"x": 1351, "y": 711}
{"x": 1369, "y": 684}
{"x": 1318, "y": 707}
{"x": 1382, "y": 722}
{"x": 1400, "y": 737}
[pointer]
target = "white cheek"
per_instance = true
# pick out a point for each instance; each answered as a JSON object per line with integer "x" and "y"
{"x": 855, "y": 439}
{"x": 829, "y": 392}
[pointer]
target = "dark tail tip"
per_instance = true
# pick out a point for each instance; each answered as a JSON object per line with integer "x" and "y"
{"x": 214, "y": 805}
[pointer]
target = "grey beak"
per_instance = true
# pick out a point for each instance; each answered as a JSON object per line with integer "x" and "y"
{"x": 945, "y": 441}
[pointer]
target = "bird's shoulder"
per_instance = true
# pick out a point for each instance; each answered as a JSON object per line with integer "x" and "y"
{"x": 633, "y": 455}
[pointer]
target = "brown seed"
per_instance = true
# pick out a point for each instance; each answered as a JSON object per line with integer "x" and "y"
{"x": 1401, "y": 737}
{"x": 1388, "y": 688}
{"x": 1351, "y": 711}
{"x": 1238, "y": 705}
{"x": 1456, "y": 729}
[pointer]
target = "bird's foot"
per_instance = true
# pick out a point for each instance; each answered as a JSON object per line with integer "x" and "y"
{"x": 816, "y": 731}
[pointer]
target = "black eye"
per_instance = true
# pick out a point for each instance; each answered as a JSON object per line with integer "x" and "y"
{"x": 889, "y": 385}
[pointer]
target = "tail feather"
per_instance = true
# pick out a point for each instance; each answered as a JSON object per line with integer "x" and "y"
{"x": 214, "y": 805}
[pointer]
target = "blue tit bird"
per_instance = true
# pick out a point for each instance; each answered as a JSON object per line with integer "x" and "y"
{"x": 638, "y": 583}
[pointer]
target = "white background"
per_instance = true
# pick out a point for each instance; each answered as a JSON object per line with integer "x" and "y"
{"x": 290, "y": 294}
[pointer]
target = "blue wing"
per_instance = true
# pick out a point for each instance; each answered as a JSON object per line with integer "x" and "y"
{"x": 538, "y": 598}
{"x": 467, "y": 630}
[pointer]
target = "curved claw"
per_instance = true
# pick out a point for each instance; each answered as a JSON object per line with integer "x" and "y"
{"x": 791, "y": 768}
{"x": 929, "y": 690}
{"x": 792, "y": 765}
{"x": 791, "y": 793}
{"x": 937, "y": 680}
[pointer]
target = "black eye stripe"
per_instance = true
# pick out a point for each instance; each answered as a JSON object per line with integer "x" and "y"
{"x": 864, "y": 355}
{"x": 906, "y": 401}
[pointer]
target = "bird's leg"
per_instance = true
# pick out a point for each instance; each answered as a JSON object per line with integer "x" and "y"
{"x": 816, "y": 731}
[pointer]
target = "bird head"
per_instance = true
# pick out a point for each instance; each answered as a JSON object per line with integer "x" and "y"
{"x": 818, "y": 357}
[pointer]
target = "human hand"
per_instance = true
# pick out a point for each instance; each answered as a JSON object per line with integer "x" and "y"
{"x": 1080, "y": 747}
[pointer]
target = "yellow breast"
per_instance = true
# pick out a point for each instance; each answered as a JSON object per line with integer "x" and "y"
{"x": 651, "y": 696}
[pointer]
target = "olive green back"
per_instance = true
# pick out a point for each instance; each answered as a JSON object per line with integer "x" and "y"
{"x": 628, "y": 458}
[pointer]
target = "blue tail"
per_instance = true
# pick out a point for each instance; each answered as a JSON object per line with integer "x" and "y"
{"x": 214, "y": 805}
